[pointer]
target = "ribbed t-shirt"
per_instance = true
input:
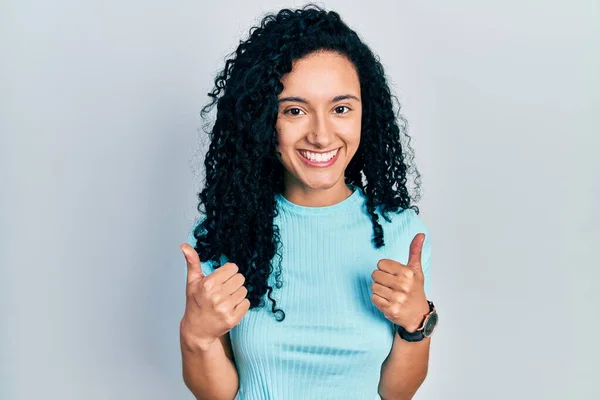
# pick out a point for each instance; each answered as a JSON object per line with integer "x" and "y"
{"x": 333, "y": 340}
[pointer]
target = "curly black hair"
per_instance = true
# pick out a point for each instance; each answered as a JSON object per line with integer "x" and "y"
{"x": 242, "y": 171}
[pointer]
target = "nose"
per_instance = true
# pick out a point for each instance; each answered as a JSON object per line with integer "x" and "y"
{"x": 321, "y": 134}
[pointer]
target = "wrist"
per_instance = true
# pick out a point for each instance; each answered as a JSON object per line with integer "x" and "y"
{"x": 418, "y": 322}
{"x": 193, "y": 343}
{"x": 424, "y": 330}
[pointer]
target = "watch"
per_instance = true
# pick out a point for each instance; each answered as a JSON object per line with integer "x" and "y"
{"x": 425, "y": 330}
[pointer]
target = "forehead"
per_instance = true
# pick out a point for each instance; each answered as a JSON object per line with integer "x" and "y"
{"x": 321, "y": 75}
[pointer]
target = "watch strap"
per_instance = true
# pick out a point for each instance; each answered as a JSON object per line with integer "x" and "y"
{"x": 418, "y": 335}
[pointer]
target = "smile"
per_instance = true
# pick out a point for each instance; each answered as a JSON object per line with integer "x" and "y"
{"x": 319, "y": 159}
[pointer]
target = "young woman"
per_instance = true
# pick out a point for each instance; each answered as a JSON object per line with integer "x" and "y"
{"x": 306, "y": 209}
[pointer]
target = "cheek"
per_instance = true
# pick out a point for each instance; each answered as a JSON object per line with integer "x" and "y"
{"x": 287, "y": 136}
{"x": 357, "y": 132}
{"x": 352, "y": 135}
{"x": 282, "y": 143}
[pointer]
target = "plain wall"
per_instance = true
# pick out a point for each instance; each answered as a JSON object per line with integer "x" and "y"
{"x": 99, "y": 169}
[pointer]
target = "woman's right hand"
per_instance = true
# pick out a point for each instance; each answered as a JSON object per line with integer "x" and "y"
{"x": 214, "y": 304}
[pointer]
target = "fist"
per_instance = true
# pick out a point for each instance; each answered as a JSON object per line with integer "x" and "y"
{"x": 214, "y": 304}
{"x": 398, "y": 289}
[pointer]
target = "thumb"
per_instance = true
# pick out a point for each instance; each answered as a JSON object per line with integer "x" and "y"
{"x": 193, "y": 262}
{"x": 416, "y": 248}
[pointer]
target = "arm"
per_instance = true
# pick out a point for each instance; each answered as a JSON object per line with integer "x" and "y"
{"x": 214, "y": 304}
{"x": 209, "y": 371}
{"x": 404, "y": 370}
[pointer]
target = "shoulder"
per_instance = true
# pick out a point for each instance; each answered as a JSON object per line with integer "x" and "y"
{"x": 404, "y": 222}
{"x": 398, "y": 236}
{"x": 402, "y": 229}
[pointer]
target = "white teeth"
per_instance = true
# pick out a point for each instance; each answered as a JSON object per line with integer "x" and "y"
{"x": 317, "y": 157}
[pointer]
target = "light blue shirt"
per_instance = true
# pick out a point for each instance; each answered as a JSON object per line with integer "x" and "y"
{"x": 333, "y": 340}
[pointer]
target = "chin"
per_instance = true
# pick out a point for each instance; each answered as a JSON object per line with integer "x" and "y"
{"x": 314, "y": 179}
{"x": 321, "y": 184}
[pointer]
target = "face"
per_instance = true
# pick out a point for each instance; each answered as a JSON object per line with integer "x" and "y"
{"x": 318, "y": 127}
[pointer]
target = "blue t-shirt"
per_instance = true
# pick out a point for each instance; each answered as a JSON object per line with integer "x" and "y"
{"x": 333, "y": 340}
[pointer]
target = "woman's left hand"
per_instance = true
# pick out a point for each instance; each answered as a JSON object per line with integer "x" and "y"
{"x": 398, "y": 290}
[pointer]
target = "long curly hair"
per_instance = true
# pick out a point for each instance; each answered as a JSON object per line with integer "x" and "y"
{"x": 242, "y": 171}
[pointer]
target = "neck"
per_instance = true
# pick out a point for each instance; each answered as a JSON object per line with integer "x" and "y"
{"x": 303, "y": 195}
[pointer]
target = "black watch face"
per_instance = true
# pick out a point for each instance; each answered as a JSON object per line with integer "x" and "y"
{"x": 430, "y": 325}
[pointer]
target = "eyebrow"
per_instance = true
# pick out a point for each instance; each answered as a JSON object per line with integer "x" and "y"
{"x": 303, "y": 100}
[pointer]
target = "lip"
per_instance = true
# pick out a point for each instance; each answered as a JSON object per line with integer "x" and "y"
{"x": 321, "y": 152}
{"x": 321, "y": 164}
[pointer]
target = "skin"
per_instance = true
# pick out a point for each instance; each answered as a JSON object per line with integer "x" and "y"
{"x": 319, "y": 110}
{"x": 313, "y": 117}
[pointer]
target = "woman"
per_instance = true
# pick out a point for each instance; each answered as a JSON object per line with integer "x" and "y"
{"x": 306, "y": 205}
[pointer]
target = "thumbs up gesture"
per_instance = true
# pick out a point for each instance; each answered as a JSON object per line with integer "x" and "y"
{"x": 214, "y": 304}
{"x": 399, "y": 290}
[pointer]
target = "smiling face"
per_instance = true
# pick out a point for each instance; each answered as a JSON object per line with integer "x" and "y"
{"x": 318, "y": 127}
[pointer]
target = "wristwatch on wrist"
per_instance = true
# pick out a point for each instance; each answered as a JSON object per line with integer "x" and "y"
{"x": 425, "y": 330}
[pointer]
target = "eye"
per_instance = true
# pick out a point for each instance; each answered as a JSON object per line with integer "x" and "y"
{"x": 294, "y": 111}
{"x": 340, "y": 109}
